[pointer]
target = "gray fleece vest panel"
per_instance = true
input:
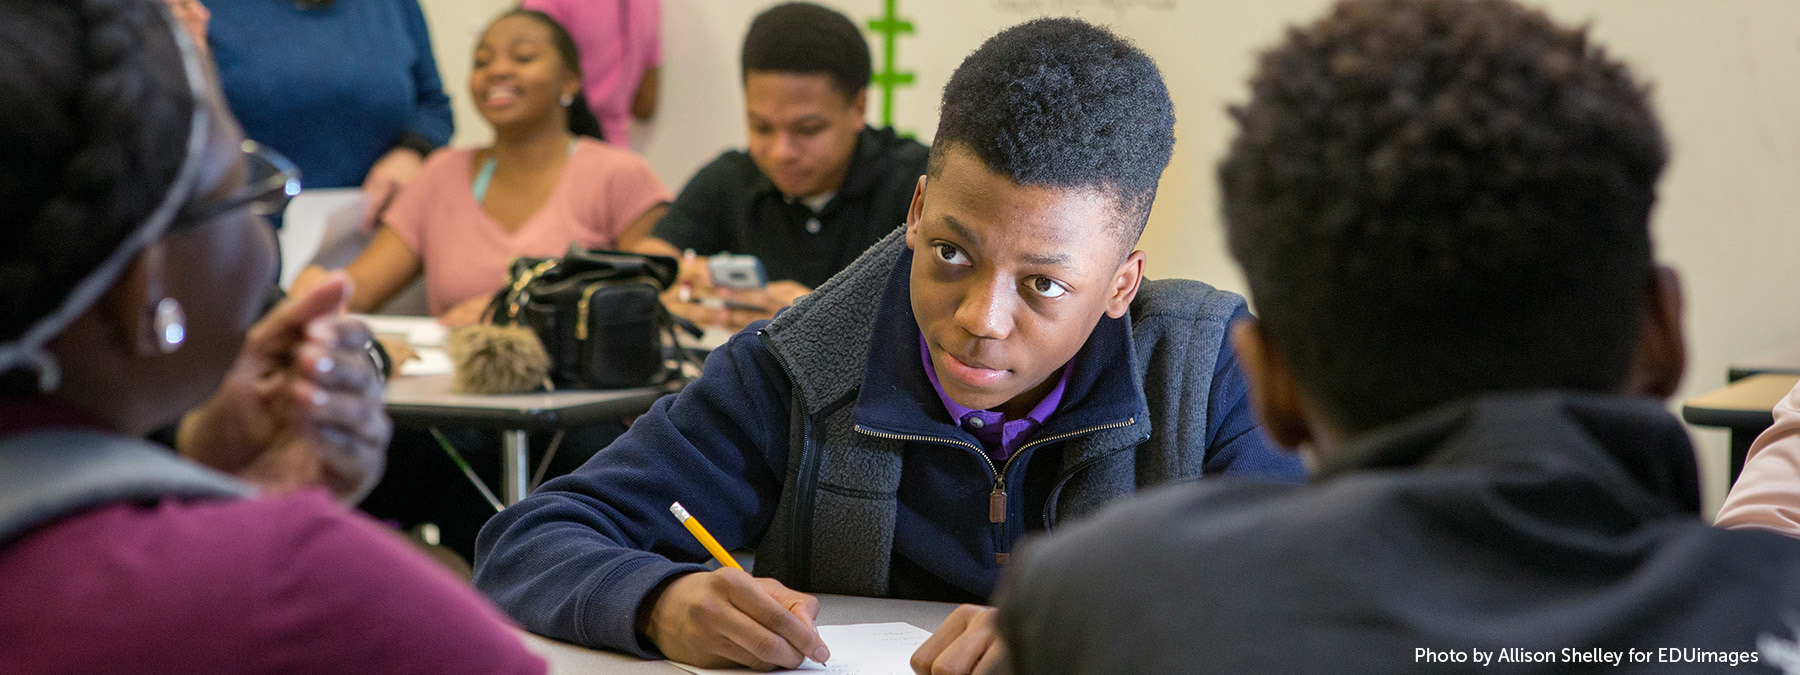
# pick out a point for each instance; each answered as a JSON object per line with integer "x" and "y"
{"x": 833, "y": 528}
{"x": 1177, "y": 326}
{"x": 49, "y": 474}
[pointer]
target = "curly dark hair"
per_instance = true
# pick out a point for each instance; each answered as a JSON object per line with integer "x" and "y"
{"x": 804, "y": 38}
{"x": 1433, "y": 199}
{"x": 582, "y": 121}
{"x": 96, "y": 100}
{"x": 1066, "y": 104}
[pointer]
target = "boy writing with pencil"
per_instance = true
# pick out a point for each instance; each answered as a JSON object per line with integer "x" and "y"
{"x": 1442, "y": 207}
{"x": 997, "y": 366}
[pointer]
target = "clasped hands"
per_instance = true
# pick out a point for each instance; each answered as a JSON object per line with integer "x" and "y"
{"x": 726, "y": 618}
{"x": 301, "y": 406}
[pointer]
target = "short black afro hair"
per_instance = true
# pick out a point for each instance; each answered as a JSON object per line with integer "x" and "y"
{"x": 805, "y": 39}
{"x": 1065, "y": 104}
{"x": 1436, "y": 199}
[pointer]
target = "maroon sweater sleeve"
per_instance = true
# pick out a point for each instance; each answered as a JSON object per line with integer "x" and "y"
{"x": 345, "y": 594}
{"x": 291, "y": 585}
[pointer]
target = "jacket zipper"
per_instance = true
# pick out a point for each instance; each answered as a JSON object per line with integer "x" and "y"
{"x": 997, "y": 492}
{"x": 805, "y": 481}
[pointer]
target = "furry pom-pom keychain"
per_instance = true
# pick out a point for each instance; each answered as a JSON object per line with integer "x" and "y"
{"x": 494, "y": 359}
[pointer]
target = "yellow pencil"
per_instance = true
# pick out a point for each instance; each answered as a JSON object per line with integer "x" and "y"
{"x": 706, "y": 539}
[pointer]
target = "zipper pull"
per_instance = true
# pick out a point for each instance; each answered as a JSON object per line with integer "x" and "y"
{"x": 997, "y": 515}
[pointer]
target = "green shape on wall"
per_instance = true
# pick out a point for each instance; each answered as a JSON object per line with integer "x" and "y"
{"x": 889, "y": 26}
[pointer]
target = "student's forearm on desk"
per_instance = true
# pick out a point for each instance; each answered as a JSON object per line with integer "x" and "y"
{"x": 577, "y": 558}
{"x": 646, "y": 244}
{"x": 379, "y": 272}
{"x": 557, "y": 567}
{"x": 639, "y": 231}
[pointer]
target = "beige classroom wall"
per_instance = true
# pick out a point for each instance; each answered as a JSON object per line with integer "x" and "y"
{"x": 1726, "y": 75}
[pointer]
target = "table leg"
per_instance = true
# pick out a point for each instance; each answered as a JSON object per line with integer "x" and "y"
{"x": 1740, "y": 449}
{"x": 516, "y": 461}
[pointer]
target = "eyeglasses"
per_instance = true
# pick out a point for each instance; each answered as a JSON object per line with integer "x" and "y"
{"x": 273, "y": 181}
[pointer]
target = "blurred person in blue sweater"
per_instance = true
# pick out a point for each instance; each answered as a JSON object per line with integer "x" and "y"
{"x": 348, "y": 90}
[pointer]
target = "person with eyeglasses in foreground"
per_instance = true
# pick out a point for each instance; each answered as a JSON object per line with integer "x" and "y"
{"x": 995, "y": 367}
{"x": 1442, "y": 208}
{"x": 134, "y": 270}
{"x": 301, "y": 406}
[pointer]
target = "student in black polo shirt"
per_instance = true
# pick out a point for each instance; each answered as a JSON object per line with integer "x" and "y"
{"x": 817, "y": 186}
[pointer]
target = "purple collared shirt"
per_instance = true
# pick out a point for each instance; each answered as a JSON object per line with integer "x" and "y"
{"x": 1002, "y": 437}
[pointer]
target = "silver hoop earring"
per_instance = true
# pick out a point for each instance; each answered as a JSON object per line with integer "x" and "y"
{"x": 170, "y": 325}
{"x": 568, "y": 99}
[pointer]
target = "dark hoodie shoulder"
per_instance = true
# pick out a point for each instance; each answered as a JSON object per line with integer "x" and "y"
{"x": 1538, "y": 521}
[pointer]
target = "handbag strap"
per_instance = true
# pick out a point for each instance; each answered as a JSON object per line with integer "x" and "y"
{"x": 672, "y": 327}
{"x": 504, "y": 308}
{"x": 621, "y": 265}
{"x": 661, "y": 271}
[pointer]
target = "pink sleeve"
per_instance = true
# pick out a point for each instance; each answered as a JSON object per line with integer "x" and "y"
{"x": 1767, "y": 493}
{"x": 631, "y": 189}
{"x": 345, "y": 590}
{"x": 411, "y": 208}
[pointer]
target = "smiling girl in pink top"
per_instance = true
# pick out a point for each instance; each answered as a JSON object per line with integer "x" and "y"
{"x": 544, "y": 184}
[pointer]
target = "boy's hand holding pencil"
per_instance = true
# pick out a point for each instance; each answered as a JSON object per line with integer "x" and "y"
{"x": 727, "y": 617}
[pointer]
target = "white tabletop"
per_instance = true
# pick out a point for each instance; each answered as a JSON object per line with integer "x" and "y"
{"x": 568, "y": 659}
{"x": 424, "y": 331}
{"x": 434, "y": 390}
{"x": 426, "y": 400}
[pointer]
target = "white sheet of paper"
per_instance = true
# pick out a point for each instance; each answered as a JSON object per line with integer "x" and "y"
{"x": 314, "y": 222}
{"x": 431, "y": 361}
{"x": 856, "y": 649}
{"x": 420, "y": 331}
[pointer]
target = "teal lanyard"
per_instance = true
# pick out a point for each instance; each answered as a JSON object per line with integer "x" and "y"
{"x": 484, "y": 177}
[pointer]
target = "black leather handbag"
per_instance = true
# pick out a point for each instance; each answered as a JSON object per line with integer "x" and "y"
{"x": 599, "y": 315}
